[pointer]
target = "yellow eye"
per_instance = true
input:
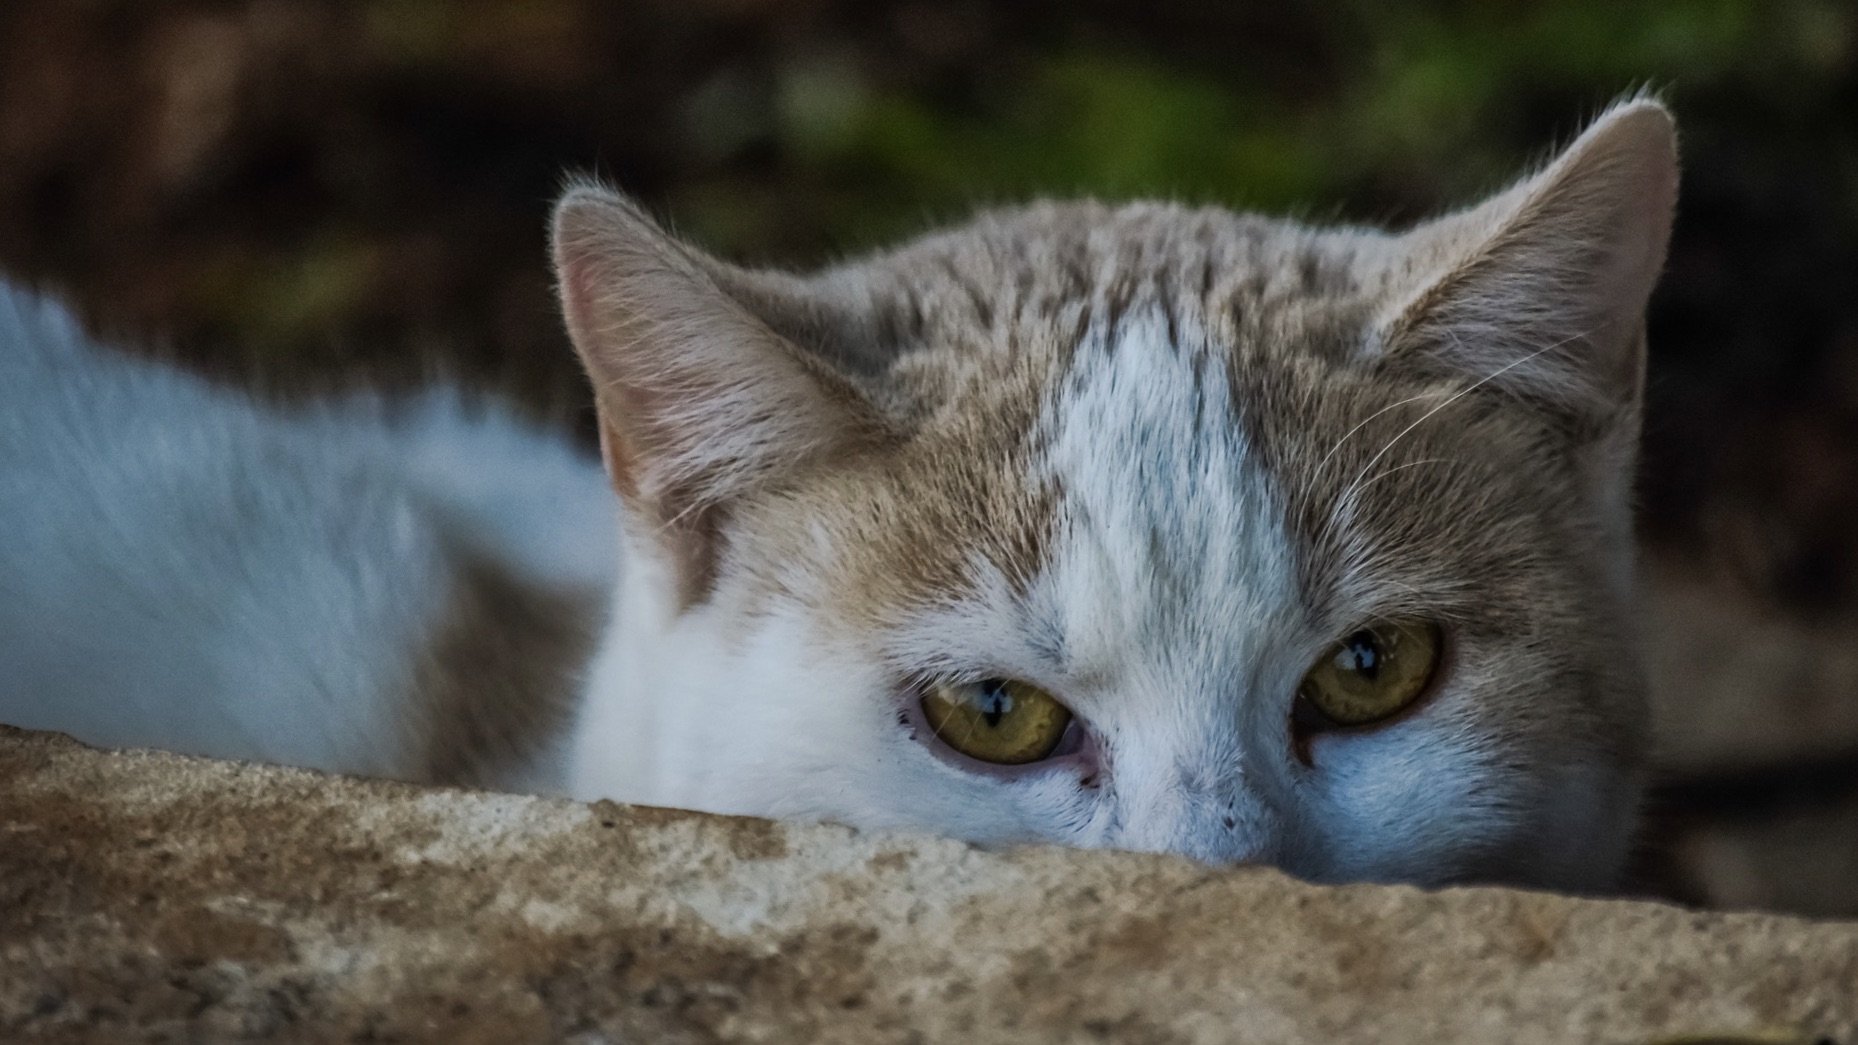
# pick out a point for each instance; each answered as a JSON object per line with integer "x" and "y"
{"x": 996, "y": 720}
{"x": 1374, "y": 672}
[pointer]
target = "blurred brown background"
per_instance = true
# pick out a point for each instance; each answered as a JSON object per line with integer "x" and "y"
{"x": 309, "y": 194}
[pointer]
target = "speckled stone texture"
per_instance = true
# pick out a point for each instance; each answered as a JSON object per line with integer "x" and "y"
{"x": 146, "y": 897}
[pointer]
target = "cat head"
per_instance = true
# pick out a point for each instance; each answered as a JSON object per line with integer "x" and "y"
{"x": 1142, "y": 526}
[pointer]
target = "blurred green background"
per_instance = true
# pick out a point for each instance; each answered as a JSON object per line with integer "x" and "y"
{"x": 306, "y": 195}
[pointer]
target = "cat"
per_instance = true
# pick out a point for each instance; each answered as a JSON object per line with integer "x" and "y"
{"x": 1132, "y": 526}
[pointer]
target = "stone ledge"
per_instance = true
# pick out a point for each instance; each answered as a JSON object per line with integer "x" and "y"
{"x": 145, "y": 896}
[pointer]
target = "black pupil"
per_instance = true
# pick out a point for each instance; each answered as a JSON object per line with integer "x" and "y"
{"x": 1361, "y": 653}
{"x": 995, "y": 701}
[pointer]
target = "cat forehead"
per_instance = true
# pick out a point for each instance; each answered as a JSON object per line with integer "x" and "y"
{"x": 1190, "y": 383}
{"x": 1169, "y": 535}
{"x": 1110, "y": 498}
{"x": 1080, "y": 263}
{"x": 1146, "y": 480}
{"x": 991, "y": 314}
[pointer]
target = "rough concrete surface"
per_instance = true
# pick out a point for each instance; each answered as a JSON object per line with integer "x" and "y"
{"x": 148, "y": 897}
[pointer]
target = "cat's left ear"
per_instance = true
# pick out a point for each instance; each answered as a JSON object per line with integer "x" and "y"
{"x": 702, "y": 402}
{"x": 1541, "y": 290}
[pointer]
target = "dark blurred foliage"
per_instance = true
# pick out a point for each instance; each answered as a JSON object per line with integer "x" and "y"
{"x": 320, "y": 191}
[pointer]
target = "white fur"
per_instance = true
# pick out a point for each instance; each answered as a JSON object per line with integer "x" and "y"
{"x": 1171, "y": 601}
{"x": 184, "y": 568}
{"x": 1172, "y": 583}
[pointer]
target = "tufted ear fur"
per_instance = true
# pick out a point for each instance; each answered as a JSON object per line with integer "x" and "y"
{"x": 1541, "y": 290}
{"x": 701, "y": 402}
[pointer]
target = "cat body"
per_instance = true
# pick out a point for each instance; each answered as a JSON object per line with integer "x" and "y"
{"x": 187, "y": 568}
{"x": 1138, "y": 483}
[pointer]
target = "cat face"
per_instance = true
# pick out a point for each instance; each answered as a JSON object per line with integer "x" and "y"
{"x": 1142, "y": 527}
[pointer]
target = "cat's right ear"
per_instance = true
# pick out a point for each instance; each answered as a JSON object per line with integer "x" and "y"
{"x": 700, "y": 400}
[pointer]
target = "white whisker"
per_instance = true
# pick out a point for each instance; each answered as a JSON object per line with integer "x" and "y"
{"x": 1402, "y": 468}
{"x": 1317, "y": 472}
